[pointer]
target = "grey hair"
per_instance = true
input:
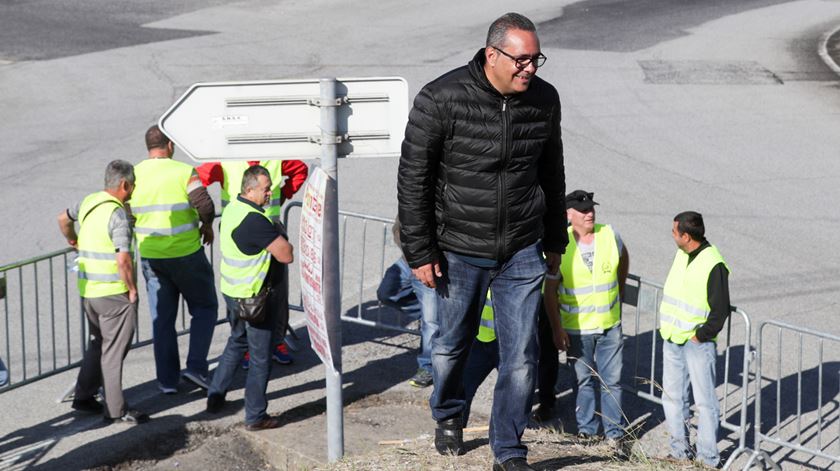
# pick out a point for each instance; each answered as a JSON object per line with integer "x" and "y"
{"x": 251, "y": 175}
{"x": 117, "y": 171}
{"x": 498, "y": 29}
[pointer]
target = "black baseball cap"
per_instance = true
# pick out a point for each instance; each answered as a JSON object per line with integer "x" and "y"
{"x": 580, "y": 200}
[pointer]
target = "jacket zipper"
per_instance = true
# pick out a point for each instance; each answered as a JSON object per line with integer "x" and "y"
{"x": 500, "y": 206}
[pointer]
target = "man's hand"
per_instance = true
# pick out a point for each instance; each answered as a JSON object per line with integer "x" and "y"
{"x": 695, "y": 339}
{"x": 561, "y": 338}
{"x": 552, "y": 261}
{"x": 132, "y": 296}
{"x": 206, "y": 231}
{"x": 427, "y": 273}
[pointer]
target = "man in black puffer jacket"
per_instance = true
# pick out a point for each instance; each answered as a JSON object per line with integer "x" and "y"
{"x": 481, "y": 196}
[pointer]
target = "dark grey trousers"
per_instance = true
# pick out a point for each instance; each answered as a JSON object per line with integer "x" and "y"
{"x": 112, "y": 322}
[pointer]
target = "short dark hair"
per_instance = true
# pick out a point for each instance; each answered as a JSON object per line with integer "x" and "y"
{"x": 251, "y": 175}
{"x": 116, "y": 171}
{"x": 156, "y": 139}
{"x": 498, "y": 29}
{"x": 691, "y": 223}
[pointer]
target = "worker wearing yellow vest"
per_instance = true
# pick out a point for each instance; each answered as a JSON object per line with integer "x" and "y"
{"x": 254, "y": 254}
{"x": 107, "y": 287}
{"x": 287, "y": 177}
{"x": 583, "y": 304}
{"x": 695, "y": 306}
{"x": 174, "y": 215}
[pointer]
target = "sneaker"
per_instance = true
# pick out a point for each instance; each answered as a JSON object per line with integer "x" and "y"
{"x": 246, "y": 361}
{"x": 618, "y": 446}
{"x": 131, "y": 416}
{"x": 587, "y": 439}
{"x": 281, "y": 355}
{"x": 449, "y": 437}
{"x": 421, "y": 379}
{"x": 195, "y": 378}
{"x": 167, "y": 390}
{"x": 215, "y": 403}
{"x": 89, "y": 405}
{"x": 264, "y": 424}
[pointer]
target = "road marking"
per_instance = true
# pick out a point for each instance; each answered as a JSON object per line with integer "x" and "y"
{"x": 822, "y": 49}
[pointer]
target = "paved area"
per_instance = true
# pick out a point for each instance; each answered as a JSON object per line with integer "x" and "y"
{"x": 722, "y": 107}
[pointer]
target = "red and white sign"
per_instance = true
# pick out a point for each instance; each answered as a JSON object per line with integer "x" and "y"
{"x": 311, "y": 256}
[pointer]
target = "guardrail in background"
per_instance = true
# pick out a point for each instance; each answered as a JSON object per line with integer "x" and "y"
{"x": 645, "y": 343}
{"x": 778, "y": 417}
{"x": 44, "y": 326}
{"x": 45, "y": 344}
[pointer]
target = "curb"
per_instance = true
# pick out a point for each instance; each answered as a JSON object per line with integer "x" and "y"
{"x": 822, "y": 50}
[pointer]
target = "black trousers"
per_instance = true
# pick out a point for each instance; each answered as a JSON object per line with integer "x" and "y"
{"x": 549, "y": 362}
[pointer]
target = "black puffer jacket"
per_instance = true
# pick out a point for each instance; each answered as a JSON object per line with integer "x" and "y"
{"x": 481, "y": 174}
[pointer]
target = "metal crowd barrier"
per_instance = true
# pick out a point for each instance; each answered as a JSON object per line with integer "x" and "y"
{"x": 43, "y": 321}
{"x": 803, "y": 420}
{"x": 45, "y": 317}
{"x": 365, "y": 252}
{"x": 643, "y": 356}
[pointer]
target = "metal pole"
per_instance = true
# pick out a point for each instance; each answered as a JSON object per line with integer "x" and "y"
{"x": 332, "y": 297}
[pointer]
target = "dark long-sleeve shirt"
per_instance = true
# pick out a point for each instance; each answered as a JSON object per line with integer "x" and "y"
{"x": 717, "y": 289}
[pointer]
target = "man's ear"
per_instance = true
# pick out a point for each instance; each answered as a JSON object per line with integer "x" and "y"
{"x": 490, "y": 56}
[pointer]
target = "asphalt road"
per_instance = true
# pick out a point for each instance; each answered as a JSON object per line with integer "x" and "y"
{"x": 721, "y": 107}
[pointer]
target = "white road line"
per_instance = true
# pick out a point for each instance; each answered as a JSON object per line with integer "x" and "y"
{"x": 822, "y": 50}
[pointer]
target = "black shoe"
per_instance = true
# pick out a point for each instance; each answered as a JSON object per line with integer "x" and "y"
{"x": 264, "y": 424}
{"x": 544, "y": 414}
{"x": 131, "y": 416}
{"x": 513, "y": 464}
{"x": 89, "y": 405}
{"x": 215, "y": 403}
{"x": 449, "y": 437}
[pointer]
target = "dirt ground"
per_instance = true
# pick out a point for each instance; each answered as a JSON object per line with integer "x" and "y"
{"x": 235, "y": 449}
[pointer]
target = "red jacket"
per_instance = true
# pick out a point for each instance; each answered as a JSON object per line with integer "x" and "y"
{"x": 295, "y": 171}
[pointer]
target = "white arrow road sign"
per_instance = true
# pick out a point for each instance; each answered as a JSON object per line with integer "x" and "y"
{"x": 281, "y": 119}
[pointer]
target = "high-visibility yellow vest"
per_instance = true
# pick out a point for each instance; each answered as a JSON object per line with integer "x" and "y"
{"x": 232, "y": 184}
{"x": 98, "y": 272}
{"x": 589, "y": 301}
{"x": 167, "y": 226}
{"x": 486, "y": 326}
{"x": 242, "y": 275}
{"x": 685, "y": 299}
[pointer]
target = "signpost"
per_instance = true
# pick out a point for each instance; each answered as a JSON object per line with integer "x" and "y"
{"x": 359, "y": 117}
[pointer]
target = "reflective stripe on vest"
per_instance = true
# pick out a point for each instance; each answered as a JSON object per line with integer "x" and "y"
{"x": 685, "y": 303}
{"x": 232, "y": 183}
{"x": 98, "y": 272}
{"x": 167, "y": 226}
{"x": 487, "y": 324}
{"x": 589, "y": 301}
{"x": 242, "y": 275}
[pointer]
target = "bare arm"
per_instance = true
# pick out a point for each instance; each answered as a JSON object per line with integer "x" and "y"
{"x": 281, "y": 250}
{"x": 125, "y": 267}
{"x": 623, "y": 270}
{"x": 67, "y": 228}
{"x": 552, "y": 312}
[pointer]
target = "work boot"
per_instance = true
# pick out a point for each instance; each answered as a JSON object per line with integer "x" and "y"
{"x": 449, "y": 437}
{"x": 513, "y": 464}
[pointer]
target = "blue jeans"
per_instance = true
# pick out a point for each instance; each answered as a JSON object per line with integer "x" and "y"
{"x": 190, "y": 276}
{"x": 601, "y": 354}
{"x": 694, "y": 364}
{"x": 401, "y": 290}
{"x": 257, "y": 339}
{"x": 483, "y": 359}
{"x": 516, "y": 298}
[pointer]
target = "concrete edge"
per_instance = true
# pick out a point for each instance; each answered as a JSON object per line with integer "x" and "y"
{"x": 822, "y": 50}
